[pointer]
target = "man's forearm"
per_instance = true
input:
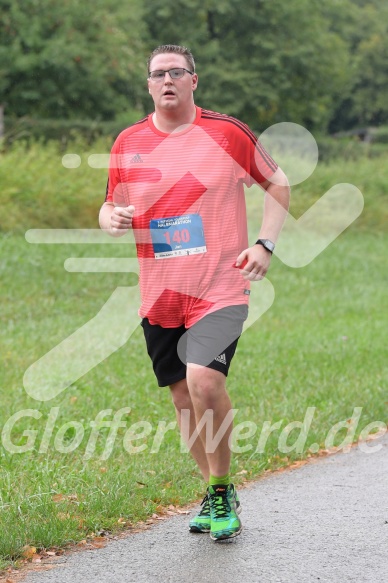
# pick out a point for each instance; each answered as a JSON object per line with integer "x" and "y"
{"x": 105, "y": 215}
{"x": 276, "y": 204}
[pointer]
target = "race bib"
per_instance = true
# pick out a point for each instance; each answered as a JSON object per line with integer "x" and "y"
{"x": 177, "y": 236}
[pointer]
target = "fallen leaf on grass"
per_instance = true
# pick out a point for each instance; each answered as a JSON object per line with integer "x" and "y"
{"x": 95, "y": 542}
{"x": 98, "y": 545}
{"x": 101, "y": 533}
{"x": 28, "y": 552}
{"x": 63, "y": 497}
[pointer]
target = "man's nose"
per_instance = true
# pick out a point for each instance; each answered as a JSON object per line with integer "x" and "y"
{"x": 169, "y": 78}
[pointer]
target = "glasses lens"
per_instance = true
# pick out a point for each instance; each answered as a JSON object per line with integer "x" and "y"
{"x": 157, "y": 75}
{"x": 176, "y": 73}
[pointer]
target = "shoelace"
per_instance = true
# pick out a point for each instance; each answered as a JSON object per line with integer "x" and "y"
{"x": 221, "y": 504}
{"x": 205, "y": 506}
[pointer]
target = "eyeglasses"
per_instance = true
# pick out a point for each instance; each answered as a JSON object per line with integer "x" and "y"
{"x": 174, "y": 74}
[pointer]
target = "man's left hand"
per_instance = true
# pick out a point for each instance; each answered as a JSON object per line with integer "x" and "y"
{"x": 257, "y": 262}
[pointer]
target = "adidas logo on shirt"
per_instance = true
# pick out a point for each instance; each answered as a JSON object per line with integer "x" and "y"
{"x": 221, "y": 358}
{"x": 136, "y": 159}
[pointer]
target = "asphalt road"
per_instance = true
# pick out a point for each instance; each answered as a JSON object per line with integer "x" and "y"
{"x": 326, "y": 521}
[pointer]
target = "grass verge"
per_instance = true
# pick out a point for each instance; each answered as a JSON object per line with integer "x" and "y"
{"x": 319, "y": 348}
{"x": 321, "y": 345}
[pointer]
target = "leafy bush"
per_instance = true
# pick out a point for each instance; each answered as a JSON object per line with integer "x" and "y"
{"x": 65, "y": 130}
{"x": 380, "y": 135}
{"x": 347, "y": 148}
{"x": 38, "y": 191}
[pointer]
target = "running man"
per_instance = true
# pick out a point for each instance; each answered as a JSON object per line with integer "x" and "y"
{"x": 177, "y": 179}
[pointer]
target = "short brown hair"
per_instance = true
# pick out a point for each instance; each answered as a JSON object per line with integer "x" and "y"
{"x": 178, "y": 50}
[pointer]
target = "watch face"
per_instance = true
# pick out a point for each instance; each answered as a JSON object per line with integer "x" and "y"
{"x": 269, "y": 245}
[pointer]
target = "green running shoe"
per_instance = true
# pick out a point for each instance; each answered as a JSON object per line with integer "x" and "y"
{"x": 224, "y": 509}
{"x": 201, "y": 522}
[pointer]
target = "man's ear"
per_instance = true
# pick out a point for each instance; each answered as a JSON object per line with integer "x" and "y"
{"x": 194, "y": 79}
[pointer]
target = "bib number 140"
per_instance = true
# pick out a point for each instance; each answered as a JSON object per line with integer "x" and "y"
{"x": 178, "y": 236}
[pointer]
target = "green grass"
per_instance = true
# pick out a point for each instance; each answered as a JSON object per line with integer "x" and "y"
{"x": 321, "y": 344}
{"x": 38, "y": 191}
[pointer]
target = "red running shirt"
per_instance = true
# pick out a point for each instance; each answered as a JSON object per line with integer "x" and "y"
{"x": 190, "y": 215}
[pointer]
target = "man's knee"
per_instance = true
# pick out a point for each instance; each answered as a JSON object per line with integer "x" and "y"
{"x": 205, "y": 384}
{"x": 180, "y": 395}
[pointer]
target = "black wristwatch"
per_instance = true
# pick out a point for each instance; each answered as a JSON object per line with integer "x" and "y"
{"x": 267, "y": 244}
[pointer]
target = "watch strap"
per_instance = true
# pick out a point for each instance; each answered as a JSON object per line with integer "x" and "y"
{"x": 267, "y": 244}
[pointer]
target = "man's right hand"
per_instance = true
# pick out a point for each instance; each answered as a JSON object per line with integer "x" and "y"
{"x": 121, "y": 219}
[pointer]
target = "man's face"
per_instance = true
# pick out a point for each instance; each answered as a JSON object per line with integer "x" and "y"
{"x": 172, "y": 94}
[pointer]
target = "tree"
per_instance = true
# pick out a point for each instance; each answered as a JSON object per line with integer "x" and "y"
{"x": 364, "y": 100}
{"x": 68, "y": 59}
{"x": 370, "y": 89}
{"x": 264, "y": 62}
{"x": 320, "y": 64}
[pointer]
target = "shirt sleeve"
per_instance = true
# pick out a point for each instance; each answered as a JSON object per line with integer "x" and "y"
{"x": 254, "y": 164}
{"x": 114, "y": 178}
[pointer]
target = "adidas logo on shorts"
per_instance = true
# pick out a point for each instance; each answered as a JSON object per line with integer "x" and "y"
{"x": 221, "y": 358}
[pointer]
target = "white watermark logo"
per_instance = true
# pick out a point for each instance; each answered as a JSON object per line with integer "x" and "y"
{"x": 301, "y": 242}
{"x": 108, "y": 429}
